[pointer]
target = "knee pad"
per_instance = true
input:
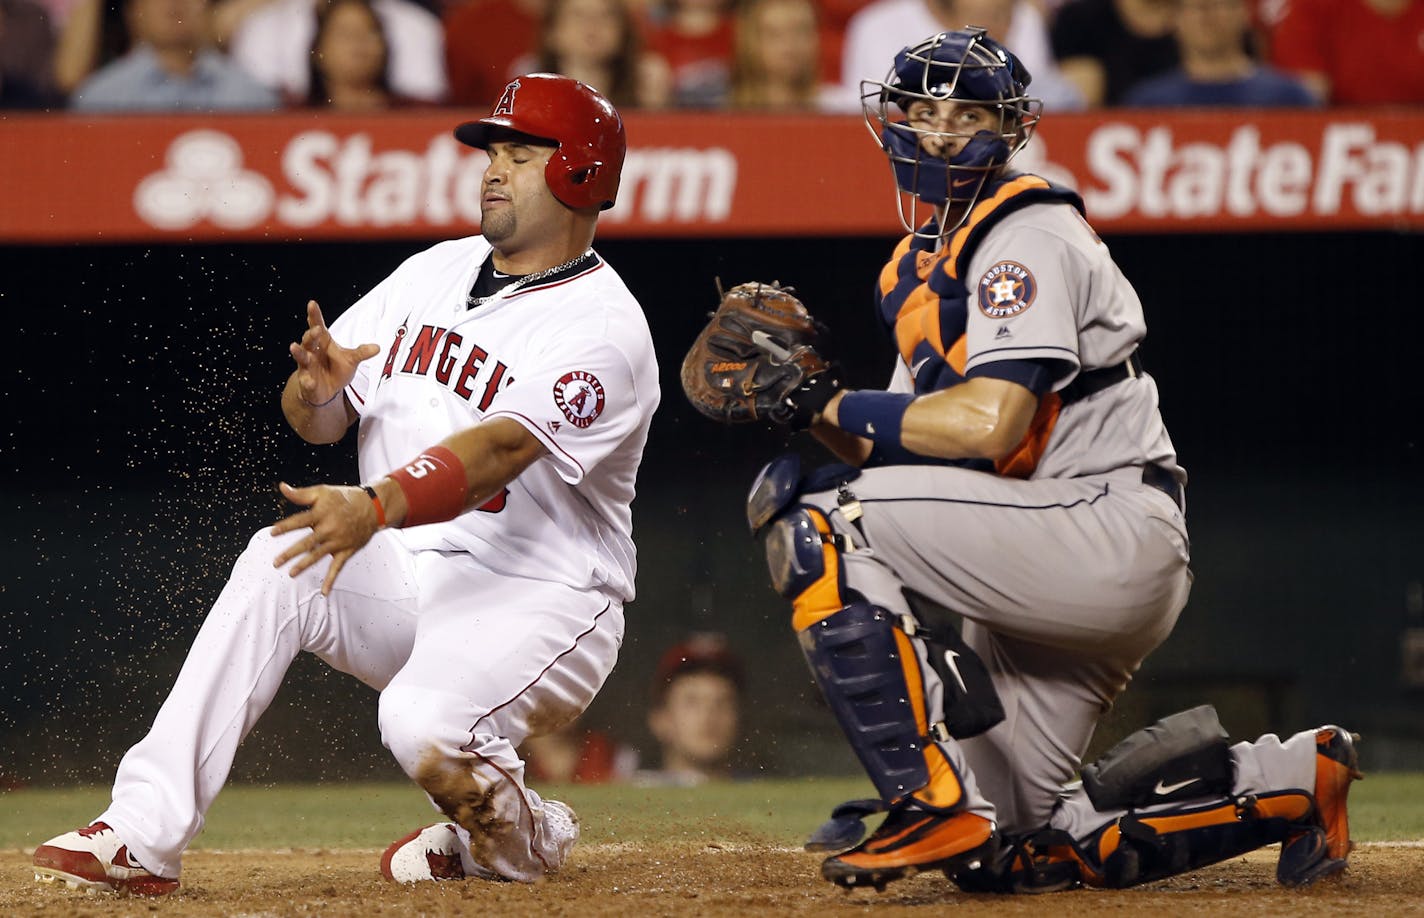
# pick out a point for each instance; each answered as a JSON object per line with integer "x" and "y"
{"x": 780, "y": 482}
{"x": 1184, "y": 756}
{"x": 804, "y": 564}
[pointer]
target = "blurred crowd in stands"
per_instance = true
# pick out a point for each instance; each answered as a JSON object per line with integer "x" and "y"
{"x": 760, "y": 55}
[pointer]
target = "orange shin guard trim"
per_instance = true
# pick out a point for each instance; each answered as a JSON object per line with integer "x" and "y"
{"x": 1291, "y": 807}
{"x": 943, "y": 790}
{"x": 821, "y": 599}
{"x": 1216, "y": 816}
{"x": 1225, "y": 814}
{"x": 1108, "y": 842}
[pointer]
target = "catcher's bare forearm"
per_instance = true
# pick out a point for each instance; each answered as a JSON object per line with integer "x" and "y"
{"x": 980, "y": 418}
{"x": 847, "y": 447}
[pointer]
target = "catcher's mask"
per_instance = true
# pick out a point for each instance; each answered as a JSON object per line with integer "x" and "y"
{"x": 961, "y": 66}
{"x": 574, "y": 117}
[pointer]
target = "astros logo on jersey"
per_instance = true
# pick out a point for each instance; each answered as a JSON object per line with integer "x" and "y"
{"x": 505, "y": 105}
{"x": 1006, "y": 289}
{"x": 579, "y": 396}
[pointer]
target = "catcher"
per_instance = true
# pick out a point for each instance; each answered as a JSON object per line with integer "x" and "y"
{"x": 1004, "y": 539}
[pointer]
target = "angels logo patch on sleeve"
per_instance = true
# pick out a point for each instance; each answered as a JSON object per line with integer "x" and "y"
{"x": 1006, "y": 290}
{"x": 579, "y": 396}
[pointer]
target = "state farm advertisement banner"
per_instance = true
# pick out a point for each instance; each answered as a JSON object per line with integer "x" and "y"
{"x": 303, "y": 176}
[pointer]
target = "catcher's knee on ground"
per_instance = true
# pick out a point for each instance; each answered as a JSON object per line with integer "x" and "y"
{"x": 1171, "y": 784}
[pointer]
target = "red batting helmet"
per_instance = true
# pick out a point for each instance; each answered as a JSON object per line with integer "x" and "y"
{"x": 585, "y": 127}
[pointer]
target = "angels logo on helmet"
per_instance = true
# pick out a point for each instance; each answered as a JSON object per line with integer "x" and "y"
{"x": 584, "y": 127}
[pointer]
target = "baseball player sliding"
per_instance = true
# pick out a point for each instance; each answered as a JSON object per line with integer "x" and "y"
{"x": 1015, "y": 474}
{"x": 504, "y": 385}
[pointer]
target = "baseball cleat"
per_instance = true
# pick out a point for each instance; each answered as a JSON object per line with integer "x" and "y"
{"x": 1337, "y": 763}
{"x": 909, "y": 841}
{"x": 562, "y": 825}
{"x": 95, "y": 860}
{"x": 1321, "y": 850}
{"x": 429, "y": 853}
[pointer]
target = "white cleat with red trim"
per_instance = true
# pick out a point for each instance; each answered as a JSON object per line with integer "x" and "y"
{"x": 96, "y": 860}
{"x": 433, "y": 852}
{"x": 436, "y": 852}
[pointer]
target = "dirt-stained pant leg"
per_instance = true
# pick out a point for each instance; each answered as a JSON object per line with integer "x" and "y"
{"x": 496, "y": 659}
{"x": 1067, "y": 584}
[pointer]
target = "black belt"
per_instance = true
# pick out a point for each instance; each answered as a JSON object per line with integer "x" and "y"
{"x": 1155, "y": 476}
{"x": 1090, "y": 381}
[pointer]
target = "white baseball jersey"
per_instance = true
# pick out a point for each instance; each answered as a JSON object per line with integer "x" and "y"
{"x": 570, "y": 358}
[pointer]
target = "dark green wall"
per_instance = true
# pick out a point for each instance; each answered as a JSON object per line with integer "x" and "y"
{"x": 142, "y": 443}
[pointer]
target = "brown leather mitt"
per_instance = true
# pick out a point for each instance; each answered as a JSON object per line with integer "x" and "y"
{"x": 756, "y": 352}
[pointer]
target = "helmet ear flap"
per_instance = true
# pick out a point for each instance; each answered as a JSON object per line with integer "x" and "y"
{"x": 583, "y": 174}
{"x": 578, "y": 184}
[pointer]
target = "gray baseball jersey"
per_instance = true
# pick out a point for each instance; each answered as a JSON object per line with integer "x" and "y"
{"x": 1065, "y": 580}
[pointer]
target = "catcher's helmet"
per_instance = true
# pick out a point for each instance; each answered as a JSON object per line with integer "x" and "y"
{"x": 963, "y": 66}
{"x": 573, "y": 116}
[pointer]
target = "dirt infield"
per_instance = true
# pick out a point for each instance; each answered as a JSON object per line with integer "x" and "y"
{"x": 700, "y": 879}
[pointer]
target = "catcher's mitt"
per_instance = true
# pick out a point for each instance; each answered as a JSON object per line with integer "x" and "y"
{"x": 755, "y": 352}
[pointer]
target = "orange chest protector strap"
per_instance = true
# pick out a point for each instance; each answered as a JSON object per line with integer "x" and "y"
{"x": 923, "y": 300}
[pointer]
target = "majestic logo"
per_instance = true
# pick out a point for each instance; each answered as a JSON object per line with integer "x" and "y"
{"x": 505, "y": 105}
{"x": 579, "y": 396}
{"x": 1003, "y": 333}
{"x": 1006, "y": 289}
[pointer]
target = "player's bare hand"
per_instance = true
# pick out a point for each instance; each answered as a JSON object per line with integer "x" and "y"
{"x": 324, "y": 366}
{"x": 340, "y": 519}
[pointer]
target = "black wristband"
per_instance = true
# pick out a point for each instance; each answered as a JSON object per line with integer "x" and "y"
{"x": 812, "y": 396}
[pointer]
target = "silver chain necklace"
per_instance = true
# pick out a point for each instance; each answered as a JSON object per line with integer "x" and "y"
{"x": 527, "y": 279}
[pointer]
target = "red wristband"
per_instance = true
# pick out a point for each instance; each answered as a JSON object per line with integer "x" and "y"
{"x": 376, "y": 502}
{"x": 434, "y": 486}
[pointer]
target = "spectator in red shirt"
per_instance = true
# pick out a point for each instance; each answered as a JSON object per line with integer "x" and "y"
{"x": 483, "y": 40}
{"x": 1353, "y": 52}
{"x": 696, "y": 40}
{"x": 696, "y": 711}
